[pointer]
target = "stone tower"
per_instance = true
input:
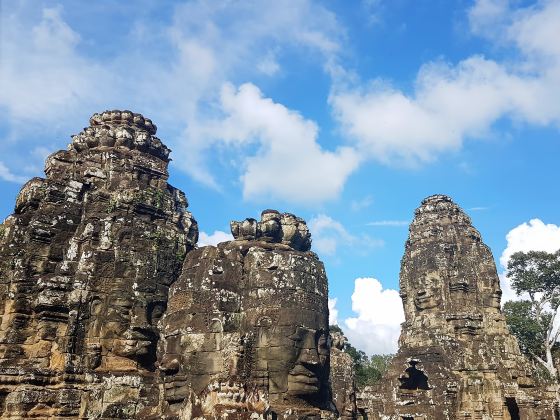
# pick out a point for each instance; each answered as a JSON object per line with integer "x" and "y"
{"x": 86, "y": 262}
{"x": 246, "y": 334}
{"x": 456, "y": 358}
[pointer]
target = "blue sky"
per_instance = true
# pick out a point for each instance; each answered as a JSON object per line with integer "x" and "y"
{"x": 346, "y": 113}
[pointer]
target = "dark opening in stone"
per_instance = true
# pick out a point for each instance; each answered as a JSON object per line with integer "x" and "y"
{"x": 414, "y": 378}
{"x": 513, "y": 409}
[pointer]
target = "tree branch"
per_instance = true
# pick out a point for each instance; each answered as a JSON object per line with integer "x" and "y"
{"x": 541, "y": 361}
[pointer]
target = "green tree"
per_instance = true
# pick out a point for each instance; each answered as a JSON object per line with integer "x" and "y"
{"x": 535, "y": 274}
{"x": 368, "y": 370}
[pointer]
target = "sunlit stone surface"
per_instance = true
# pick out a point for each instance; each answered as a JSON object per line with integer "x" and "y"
{"x": 456, "y": 358}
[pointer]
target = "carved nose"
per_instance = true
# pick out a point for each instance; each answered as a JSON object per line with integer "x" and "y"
{"x": 309, "y": 356}
{"x": 139, "y": 319}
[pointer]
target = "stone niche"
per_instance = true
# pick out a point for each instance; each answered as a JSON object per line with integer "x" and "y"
{"x": 456, "y": 358}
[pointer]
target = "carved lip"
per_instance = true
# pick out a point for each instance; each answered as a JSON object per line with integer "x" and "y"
{"x": 301, "y": 375}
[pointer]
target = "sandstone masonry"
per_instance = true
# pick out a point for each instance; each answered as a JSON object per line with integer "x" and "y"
{"x": 456, "y": 358}
{"x": 109, "y": 310}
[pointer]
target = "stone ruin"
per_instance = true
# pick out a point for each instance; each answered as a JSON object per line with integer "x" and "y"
{"x": 456, "y": 358}
{"x": 246, "y": 330}
{"x": 86, "y": 263}
{"x": 343, "y": 384}
{"x": 108, "y": 310}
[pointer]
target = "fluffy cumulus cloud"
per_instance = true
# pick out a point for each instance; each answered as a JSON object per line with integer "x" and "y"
{"x": 453, "y": 102}
{"x": 53, "y": 74}
{"x": 287, "y": 148}
{"x": 328, "y": 234}
{"x": 532, "y": 236}
{"x": 376, "y": 327}
{"x": 215, "y": 238}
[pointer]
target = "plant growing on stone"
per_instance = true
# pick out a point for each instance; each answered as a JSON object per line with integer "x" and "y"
{"x": 535, "y": 274}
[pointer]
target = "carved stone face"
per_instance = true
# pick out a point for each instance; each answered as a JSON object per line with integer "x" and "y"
{"x": 250, "y": 315}
{"x": 295, "y": 358}
{"x": 494, "y": 297}
{"x": 270, "y": 225}
{"x": 127, "y": 326}
{"x": 427, "y": 292}
{"x": 293, "y": 345}
{"x": 312, "y": 349}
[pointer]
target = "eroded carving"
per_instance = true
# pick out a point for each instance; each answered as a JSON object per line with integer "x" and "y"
{"x": 247, "y": 325}
{"x": 274, "y": 227}
{"x": 456, "y": 358}
{"x": 86, "y": 262}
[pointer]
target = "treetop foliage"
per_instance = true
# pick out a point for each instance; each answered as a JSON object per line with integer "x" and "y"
{"x": 368, "y": 370}
{"x": 523, "y": 323}
{"x": 535, "y": 272}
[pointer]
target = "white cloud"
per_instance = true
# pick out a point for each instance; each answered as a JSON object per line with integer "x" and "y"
{"x": 333, "y": 312}
{"x": 451, "y": 103}
{"x": 357, "y": 205}
{"x": 484, "y": 15}
{"x": 393, "y": 223}
{"x": 214, "y": 239}
{"x": 269, "y": 65}
{"x": 51, "y": 78}
{"x": 376, "y": 327}
{"x": 43, "y": 75}
{"x": 328, "y": 234}
{"x": 532, "y": 236}
{"x": 289, "y": 163}
{"x": 7, "y": 175}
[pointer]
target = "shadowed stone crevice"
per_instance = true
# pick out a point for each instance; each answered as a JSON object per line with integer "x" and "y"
{"x": 513, "y": 409}
{"x": 414, "y": 379}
